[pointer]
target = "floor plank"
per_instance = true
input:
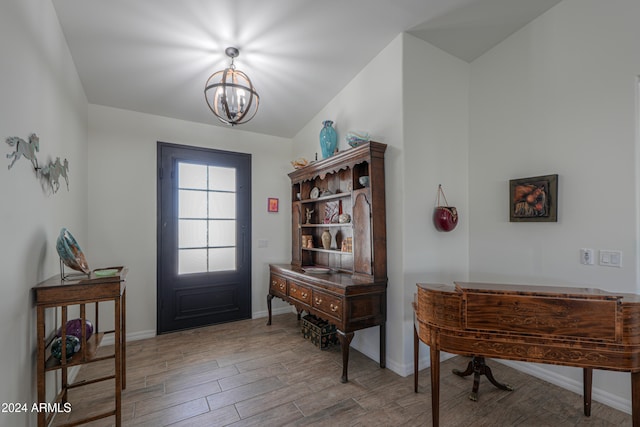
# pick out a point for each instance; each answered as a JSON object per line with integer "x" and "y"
{"x": 249, "y": 374}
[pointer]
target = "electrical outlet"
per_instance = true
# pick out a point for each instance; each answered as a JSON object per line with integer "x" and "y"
{"x": 586, "y": 256}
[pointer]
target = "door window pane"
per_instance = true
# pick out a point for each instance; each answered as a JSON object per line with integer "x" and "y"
{"x": 193, "y": 204}
{"x": 192, "y": 261}
{"x": 222, "y": 179}
{"x": 192, "y": 176}
{"x": 221, "y": 259}
{"x": 222, "y": 205}
{"x": 206, "y": 218}
{"x": 192, "y": 233}
{"x": 222, "y": 233}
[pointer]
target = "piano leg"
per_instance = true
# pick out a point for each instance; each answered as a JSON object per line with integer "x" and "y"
{"x": 478, "y": 367}
{"x": 492, "y": 380}
{"x": 435, "y": 386}
{"x": 416, "y": 351}
{"x": 635, "y": 398}
{"x": 587, "y": 375}
{"x": 467, "y": 371}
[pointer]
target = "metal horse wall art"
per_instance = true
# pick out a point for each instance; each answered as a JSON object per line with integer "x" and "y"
{"x": 53, "y": 172}
{"x": 25, "y": 149}
{"x": 50, "y": 173}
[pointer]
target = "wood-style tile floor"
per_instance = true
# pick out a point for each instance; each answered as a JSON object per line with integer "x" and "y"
{"x": 249, "y": 374}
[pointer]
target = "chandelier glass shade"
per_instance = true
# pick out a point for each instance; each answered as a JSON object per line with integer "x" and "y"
{"x": 230, "y": 94}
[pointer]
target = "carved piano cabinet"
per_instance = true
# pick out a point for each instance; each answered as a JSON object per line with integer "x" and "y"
{"x": 581, "y": 327}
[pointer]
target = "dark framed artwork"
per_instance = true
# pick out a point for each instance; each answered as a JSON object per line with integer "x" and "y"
{"x": 272, "y": 204}
{"x": 534, "y": 199}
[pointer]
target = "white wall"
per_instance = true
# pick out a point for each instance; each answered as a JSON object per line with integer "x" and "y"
{"x": 123, "y": 209}
{"x": 42, "y": 94}
{"x": 436, "y": 120}
{"x": 560, "y": 97}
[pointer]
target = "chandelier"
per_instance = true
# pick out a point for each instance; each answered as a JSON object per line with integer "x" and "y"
{"x": 230, "y": 94}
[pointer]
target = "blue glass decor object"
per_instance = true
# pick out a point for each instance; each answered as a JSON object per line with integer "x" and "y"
{"x": 72, "y": 347}
{"x": 328, "y": 139}
{"x": 70, "y": 252}
{"x": 355, "y": 138}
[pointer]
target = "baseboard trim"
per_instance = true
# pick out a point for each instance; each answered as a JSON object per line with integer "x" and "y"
{"x": 274, "y": 312}
{"x": 597, "y": 394}
{"x": 109, "y": 339}
{"x": 134, "y": 336}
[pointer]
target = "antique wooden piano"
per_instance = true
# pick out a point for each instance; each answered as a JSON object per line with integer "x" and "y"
{"x": 581, "y": 327}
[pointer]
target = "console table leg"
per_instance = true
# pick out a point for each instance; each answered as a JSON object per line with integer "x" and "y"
{"x": 587, "y": 375}
{"x": 123, "y": 334}
{"x": 40, "y": 370}
{"x": 416, "y": 353}
{"x": 118, "y": 360}
{"x": 345, "y": 342}
{"x": 635, "y": 398}
{"x": 269, "y": 298}
{"x": 383, "y": 345}
{"x": 435, "y": 386}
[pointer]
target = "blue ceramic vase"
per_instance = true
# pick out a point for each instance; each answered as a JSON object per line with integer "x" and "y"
{"x": 328, "y": 139}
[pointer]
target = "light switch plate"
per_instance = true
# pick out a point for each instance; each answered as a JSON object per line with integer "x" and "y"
{"x": 611, "y": 258}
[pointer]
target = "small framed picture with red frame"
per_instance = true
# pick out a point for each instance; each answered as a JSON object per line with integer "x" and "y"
{"x": 272, "y": 204}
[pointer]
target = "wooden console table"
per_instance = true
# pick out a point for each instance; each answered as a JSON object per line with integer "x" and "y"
{"x": 581, "y": 327}
{"x": 55, "y": 293}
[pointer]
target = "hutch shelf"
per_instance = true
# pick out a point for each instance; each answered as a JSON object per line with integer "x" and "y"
{"x": 58, "y": 294}
{"x": 342, "y": 280}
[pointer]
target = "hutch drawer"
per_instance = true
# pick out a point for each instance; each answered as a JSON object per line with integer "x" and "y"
{"x": 278, "y": 285}
{"x": 328, "y": 304}
{"x": 300, "y": 292}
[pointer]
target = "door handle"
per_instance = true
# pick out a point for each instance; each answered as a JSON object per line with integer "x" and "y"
{"x": 243, "y": 243}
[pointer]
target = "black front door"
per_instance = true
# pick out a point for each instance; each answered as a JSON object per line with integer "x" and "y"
{"x": 204, "y": 237}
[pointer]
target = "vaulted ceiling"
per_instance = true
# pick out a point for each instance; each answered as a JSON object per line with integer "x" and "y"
{"x": 154, "y": 56}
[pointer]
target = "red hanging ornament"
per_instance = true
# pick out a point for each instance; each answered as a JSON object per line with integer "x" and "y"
{"x": 445, "y": 217}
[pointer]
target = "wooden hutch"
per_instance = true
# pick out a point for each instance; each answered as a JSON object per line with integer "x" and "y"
{"x": 345, "y": 283}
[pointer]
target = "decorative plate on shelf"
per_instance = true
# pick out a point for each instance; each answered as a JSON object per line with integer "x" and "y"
{"x": 315, "y": 193}
{"x": 70, "y": 252}
{"x": 106, "y": 272}
{"x": 316, "y": 270}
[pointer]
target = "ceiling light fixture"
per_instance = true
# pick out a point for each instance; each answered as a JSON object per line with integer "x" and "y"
{"x": 230, "y": 94}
